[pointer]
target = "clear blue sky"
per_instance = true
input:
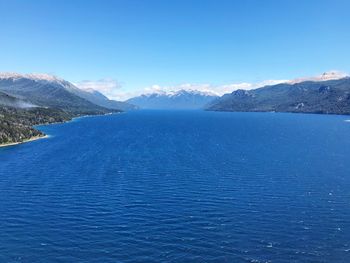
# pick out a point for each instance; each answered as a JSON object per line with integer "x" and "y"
{"x": 165, "y": 42}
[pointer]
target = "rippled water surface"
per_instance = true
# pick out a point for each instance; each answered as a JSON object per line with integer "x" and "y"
{"x": 152, "y": 186}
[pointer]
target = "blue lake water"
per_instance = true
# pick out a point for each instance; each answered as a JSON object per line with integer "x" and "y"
{"x": 192, "y": 186}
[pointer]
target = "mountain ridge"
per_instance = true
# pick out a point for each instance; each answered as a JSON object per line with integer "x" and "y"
{"x": 51, "y": 91}
{"x": 328, "y": 97}
{"x": 182, "y": 99}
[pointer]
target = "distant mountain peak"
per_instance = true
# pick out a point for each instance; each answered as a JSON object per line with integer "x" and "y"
{"x": 195, "y": 92}
{"x": 179, "y": 93}
{"x": 180, "y": 99}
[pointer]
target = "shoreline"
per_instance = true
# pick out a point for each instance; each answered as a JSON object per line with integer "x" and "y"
{"x": 47, "y": 136}
{"x": 289, "y": 112}
{"x": 24, "y": 141}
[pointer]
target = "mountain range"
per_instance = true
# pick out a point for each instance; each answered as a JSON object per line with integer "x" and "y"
{"x": 182, "y": 99}
{"x": 49, "y": 91}
{"x": 325, "y": 96}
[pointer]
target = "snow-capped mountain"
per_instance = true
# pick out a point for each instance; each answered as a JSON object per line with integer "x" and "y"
{"x": 50, "y": 91}
{"x": 33, "y": 76}
{"x": 182, "y": 99}
{"x": 329, "y": 75}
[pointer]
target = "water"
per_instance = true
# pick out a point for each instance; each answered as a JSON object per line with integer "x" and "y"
{"x": 152, "y": 186}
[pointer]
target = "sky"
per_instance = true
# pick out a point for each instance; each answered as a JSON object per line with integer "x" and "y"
{"x": 127, "y": 47}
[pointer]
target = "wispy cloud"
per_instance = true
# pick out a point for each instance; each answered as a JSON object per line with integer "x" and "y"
{"x": 109, "y": 87}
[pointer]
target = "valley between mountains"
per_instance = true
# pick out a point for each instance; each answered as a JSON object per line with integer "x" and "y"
{"x": 27, "y": 100}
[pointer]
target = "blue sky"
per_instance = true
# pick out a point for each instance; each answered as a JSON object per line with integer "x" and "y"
{"x": 136, "y": 44}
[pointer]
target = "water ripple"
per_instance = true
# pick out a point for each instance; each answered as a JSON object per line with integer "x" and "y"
{"x": 179, "y": 187}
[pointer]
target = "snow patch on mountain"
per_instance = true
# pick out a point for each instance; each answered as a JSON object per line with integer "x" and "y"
{"x": 329, "y": 75}
{"x": 179, "y": 93}
{"x": 32, "y": 76}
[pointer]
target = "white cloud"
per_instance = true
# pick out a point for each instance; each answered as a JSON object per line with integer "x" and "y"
{"x": 109, "y": 87}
